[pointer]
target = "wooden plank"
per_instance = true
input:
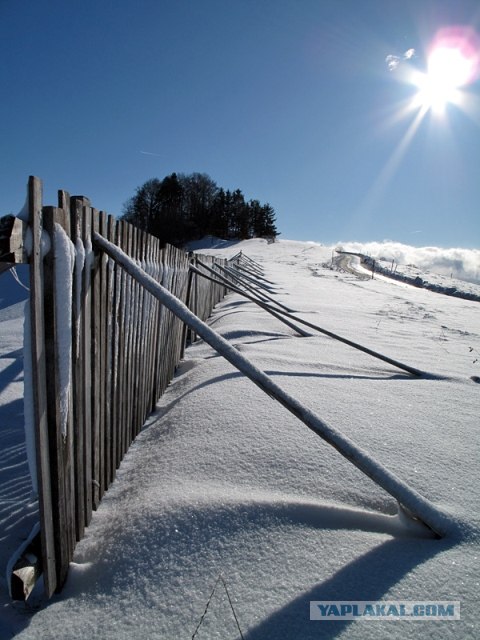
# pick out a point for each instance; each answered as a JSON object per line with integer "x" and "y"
{"x": 39, "y": 375}
{"x": 155, "y": 324}
{"x": 12, "y": 240}
{"x": 145, "y": 351}
{"x": 120, "y": 361}
{"x": 171, "y": 318}
{"x": 96, "y": 388}
{"x": 76, "y": 211}
{"x": 127, "y": 328}
{"x": 109, "y": 364}
{"x": 180, "y": 277}
{"x": 131, "y": 368}
{"x": 86, "y": 358}
{"x": 59, "y": 447}
{"x": 165, "y": 322}
{"x": 102, "y": 225}
{"x": 138, "y": 344}
{"x": 133, "y": 356}
{"x": 142, "y": 337}
{"x": 152, "y": 315}
{"x": 188, "y": 302}
{"x": 64, "y": 219}
{"x": 119, "y": 354}
{"x": 126, "y": 346}
{"x": 159, "y": 328}
{"x": 145, "y": 354}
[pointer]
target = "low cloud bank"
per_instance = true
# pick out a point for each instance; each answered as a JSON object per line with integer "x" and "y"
{"x": 463, "y": 264}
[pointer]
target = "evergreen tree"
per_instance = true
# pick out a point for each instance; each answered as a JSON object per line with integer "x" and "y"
{"x": 169, "y": 224}
{"x": 200, "y": 192}
{"x": 182, "y": 207}
{"x": 142, "y": 209}
{"x": 267, "y": 227}
{"x": 218, "y": 224}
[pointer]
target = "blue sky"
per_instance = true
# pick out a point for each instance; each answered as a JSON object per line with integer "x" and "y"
{"x": 289, "y": 100}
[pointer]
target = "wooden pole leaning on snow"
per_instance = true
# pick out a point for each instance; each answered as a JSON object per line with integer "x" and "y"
{"x": 410, "y": 500}
{"x": 259, "y": 294}
{"x": 279, "y": 312}
{"x": 252, "y": 263}
{"x": 256, "y": 276}
{"x": 234, "y": 276}
{"x": 255, "y": 280}
{"x": 232, "y": 287}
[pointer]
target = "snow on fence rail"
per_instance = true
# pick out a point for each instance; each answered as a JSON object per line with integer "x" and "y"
{"x": 102, "y": 352}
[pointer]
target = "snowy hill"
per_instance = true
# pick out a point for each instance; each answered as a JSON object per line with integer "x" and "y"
{"x": 224, "y": 481}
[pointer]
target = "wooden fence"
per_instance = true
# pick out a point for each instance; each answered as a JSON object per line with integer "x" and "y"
{"x": 105, "y": 342}
{"x": 103, "y": 351}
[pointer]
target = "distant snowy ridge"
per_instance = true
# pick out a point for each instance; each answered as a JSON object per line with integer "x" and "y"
{"x": 463, "y": 264}
{"x": 413, "y": 279}
{"x": 456, "y": 263}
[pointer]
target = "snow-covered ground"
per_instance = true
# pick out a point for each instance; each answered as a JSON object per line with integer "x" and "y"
{"x": 435, "y": 264}
{"x": 224, "y": 481}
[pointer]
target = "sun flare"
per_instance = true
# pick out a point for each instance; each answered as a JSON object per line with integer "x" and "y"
{"x": 452, "y": 64}
{"x": 448, "y": 70}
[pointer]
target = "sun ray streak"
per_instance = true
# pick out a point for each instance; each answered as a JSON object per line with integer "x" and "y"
{"x": 385, "y": 176}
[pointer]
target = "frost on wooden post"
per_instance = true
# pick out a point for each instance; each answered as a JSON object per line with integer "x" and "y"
{"x": 65, "y": 256}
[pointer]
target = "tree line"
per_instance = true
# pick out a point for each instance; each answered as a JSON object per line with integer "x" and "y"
{"x": 181, "y": 208}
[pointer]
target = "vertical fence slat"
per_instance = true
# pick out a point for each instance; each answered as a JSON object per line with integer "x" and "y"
{"x": 77, "y": 205}
{"x": 104, "y": 398}
{"x": 77, "y": 382}
{"x": 60, "y": 446}
{"x": 150, "y": 405}
{"x": 87, "y": 359}
{"x": 142, "y": 338}
{"x": 110, "y": 364}
{"x": 39, "y": 386}
{"x": 128, "y": 240}
{"x": 120, "y": 283}
{"x": 96, "y": 376}
{"x": 136, "y": 330}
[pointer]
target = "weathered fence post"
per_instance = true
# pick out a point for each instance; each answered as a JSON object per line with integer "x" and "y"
{"x": 56, "y": 221}
{"x": 39, "y": 384}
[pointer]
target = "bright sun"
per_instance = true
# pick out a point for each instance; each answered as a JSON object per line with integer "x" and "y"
{"x": 453, "y": 63}
{"x": 448, "y": 70}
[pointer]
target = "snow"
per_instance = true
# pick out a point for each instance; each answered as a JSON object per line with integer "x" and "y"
{"x": 435, "y": 262}
{"x": 64, "y": 263}
{"x": 408, "y": 498}
{"x": 224, "y": 481}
